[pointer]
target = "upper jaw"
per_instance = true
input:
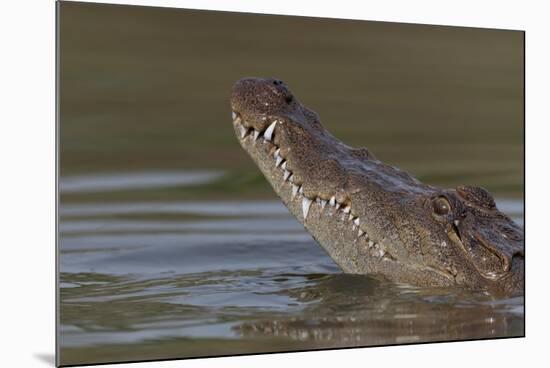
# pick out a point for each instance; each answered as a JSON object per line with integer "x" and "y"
{"x": 259, "y": 139}
{"x": 259, "y": 127}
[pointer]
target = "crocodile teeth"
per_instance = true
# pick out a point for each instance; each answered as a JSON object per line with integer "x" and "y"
{"x": 291, "y": 178}
{"x": 350, "y": 217}
{"x": 332, "y": 201}
{"x": 356, "y": 221}
{"x": 278, "y": 161}
{"x": 269, "y": 131}
{"x": 283, "y": 166}
{"x": 295, "y": 189}
{"x": 277, "y": 152}
{"x": 286, "y": 175}
{"x": 256, "y": 134}
{"x": 306, "y": 202}
{"x": 323, "y": 204}
{"x": 337, "y": 205}
{"x": 371, "y": 243}
{"x": 347, "y": 209}
{"x": 301, "y": 190}
{"x": 236, "y": 117}
{"x": 243, "y": 130}
{"x": 361, "y": 232}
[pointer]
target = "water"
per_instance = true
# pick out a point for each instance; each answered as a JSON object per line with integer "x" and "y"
{"x": 202, "y": 278}
{"x": 112, "y": 182}
{"x": 172, "y": 244}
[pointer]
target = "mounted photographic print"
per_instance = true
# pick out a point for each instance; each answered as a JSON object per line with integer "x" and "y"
{"x": 234, "y": 183}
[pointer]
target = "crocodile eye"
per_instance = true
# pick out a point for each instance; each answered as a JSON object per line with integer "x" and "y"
{"x": 441, "y": 206}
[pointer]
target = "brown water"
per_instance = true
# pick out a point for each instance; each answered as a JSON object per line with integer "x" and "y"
{"x": 171, "y": 242}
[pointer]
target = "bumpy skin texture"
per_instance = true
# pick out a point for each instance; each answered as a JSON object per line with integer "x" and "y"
{"x": 372, "y": 218}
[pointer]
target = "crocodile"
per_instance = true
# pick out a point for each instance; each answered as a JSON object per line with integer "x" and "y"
{"x": 373, "y": 218}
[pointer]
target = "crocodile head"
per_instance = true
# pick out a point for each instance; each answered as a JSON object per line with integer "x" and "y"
{"x": 372, "y": 218}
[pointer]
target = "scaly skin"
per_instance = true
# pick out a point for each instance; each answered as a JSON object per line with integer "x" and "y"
{"x": 372, "y": 218}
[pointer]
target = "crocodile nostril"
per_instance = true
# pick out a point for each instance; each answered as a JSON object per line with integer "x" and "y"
{"x": 277, "y": 82}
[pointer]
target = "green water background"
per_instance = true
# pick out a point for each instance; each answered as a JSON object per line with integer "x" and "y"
{"x": 145, "y": 88}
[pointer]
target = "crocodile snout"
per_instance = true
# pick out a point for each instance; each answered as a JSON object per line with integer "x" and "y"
{"x": 252, "y": 97}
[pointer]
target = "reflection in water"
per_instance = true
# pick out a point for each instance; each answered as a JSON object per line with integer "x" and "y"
{"x": 135, "y": 180}
{"x": 161, "y": 280}
{"x": 222, "y": 208}
{"x": 379, "y": 313}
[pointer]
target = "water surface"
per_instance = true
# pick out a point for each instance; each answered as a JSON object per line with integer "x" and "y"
{"x": 159, "y": 280}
